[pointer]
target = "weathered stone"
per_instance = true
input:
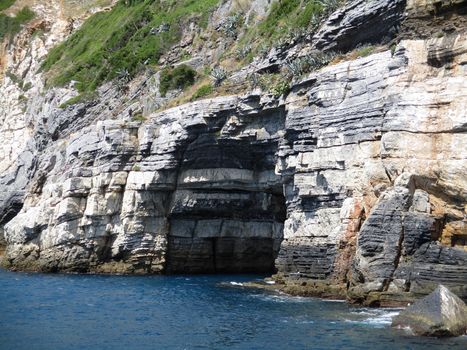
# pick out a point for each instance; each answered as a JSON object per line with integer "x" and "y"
{"x": 354, "y": 183}
{"x": 426, "y": 19}
{"x": 439, "y": 314}
{"x": 360, "y": 22}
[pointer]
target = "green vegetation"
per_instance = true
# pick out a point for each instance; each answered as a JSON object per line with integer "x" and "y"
{"x": 10, "y": 26}
{"x": 288, "y": 18}
{"x": 4, "y": 4}
{"x": 274, "y": 83}
{"x": 202, "y": 91}
{"x": 14, "y": 78}
{"x": 179, "y": 77}
{"x": 218, "y": 75}
{"x": 288, "y": 14}
{"x": 83, "y": 97}
{"x": 282, "y": 87}
{"x": 18, "y": 81}
{"x": 138, "y": 117}
{"x": 365, "y": 51}
{"x": 306, "y": 64}
{"x": 134, "y": 34}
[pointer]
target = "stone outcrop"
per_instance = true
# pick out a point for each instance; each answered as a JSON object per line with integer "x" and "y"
{"x": 197, "y": 181}
{"x": 426, "y": 19}
{"x": 373, "y": 176}
{"x": 360, "y": 22}
{"x": 352, "y": 185}
{"x": 440, "y": 314}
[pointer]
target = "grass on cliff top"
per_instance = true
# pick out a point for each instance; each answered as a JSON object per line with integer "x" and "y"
{"x": 284, "y": 17}
{"x": 4, "y": 4}
{"x": 135, "y": 33}
{"x": 10, "y": 26}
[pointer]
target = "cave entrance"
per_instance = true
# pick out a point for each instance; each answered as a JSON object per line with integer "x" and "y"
{"x": 239, "y": 236}
{"x": 228, "y": 212}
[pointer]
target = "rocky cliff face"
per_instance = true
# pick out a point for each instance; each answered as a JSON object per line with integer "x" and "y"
{"x": 374, "y": 176}
{"x": 352, "y": 185}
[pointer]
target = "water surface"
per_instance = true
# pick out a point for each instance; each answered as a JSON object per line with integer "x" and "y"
{"x": 184, "y": 312}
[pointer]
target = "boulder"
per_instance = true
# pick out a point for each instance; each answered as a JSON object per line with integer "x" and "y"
{"x": 440, "y": 314}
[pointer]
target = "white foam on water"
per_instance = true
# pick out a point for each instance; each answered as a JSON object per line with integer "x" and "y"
{"x": 334, "y": 300}
{"x": 376, "y": 317}
{"x": 384, "y": 319}
{"x": 361, "y": 313}
{"x": 305, "y": 322}
{"x": 281, "y": 298}
{"x": 297, "y": 320}
{"x": 236, "y": 283}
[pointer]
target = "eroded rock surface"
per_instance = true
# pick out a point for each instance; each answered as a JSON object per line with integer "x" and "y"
{"x": 373, "y": 177}
{"x": 197, "y": 181}
{"x": 360, "y": 22}
{"x": 440, "y": 314}
{"x": 351, "y": 186}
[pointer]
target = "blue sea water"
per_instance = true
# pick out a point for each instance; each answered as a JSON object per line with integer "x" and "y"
{"x": 53, "y": 312}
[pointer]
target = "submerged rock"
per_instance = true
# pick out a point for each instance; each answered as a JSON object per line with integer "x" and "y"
{"x": 440, "y": 314}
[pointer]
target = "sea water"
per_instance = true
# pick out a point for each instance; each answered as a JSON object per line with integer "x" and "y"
{"x": 53, "y": 312}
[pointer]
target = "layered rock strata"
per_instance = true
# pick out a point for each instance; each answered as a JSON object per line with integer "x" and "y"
{"x": 375, "y": 175}
{"x": 352, "y": 186}
{"x": 193, "y": 190}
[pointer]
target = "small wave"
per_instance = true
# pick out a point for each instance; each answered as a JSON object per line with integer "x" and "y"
{"x": 236, "y": 283}
{"x": 297, "y": 320}
{"x": 365, "y": 313}
{"x": 281, "y": 298}
{"x": 377, "y": 317}
{"x": 384, "y": 319}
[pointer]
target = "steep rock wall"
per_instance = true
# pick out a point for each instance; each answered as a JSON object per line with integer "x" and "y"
{"x": 354, "y": 184}
{"x": 29, "y": 113}
{"x": 375, "y": 176}
{"x": 196, "y": 181}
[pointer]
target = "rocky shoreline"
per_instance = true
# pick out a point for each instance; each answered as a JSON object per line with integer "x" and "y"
{"x": 350, "y": 186}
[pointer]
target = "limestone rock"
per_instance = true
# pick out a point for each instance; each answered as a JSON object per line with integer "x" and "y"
{"x": 426, "y": 19}
{"x": 439, "y": 314}
{"x": 351, "y": 185}
{"x": 360, "y": 22}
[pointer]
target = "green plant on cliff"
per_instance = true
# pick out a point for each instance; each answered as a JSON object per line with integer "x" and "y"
{"x": 365, "y": 51}
{"x": 283, "y": 17}
{"x": 134, "y": 34}
{"x": 179, "y": 77}
{"x": 202, "y": 91}
{"x": 10, "y": 26}
{"x": 308, "y": 63}
{"x": 83, "y": 97}
{"x": 4, "y": 4}
{"x": 276, "y": 84}
{"x": 138, "y": 117}
{"x": 282, "y": 87}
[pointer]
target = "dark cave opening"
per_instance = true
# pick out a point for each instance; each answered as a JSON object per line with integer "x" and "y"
{"x": 230, "y": 221}
{"x": 245, "y": 240}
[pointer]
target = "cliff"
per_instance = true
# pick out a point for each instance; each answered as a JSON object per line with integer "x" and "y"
{"x": 350, "y": 182}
